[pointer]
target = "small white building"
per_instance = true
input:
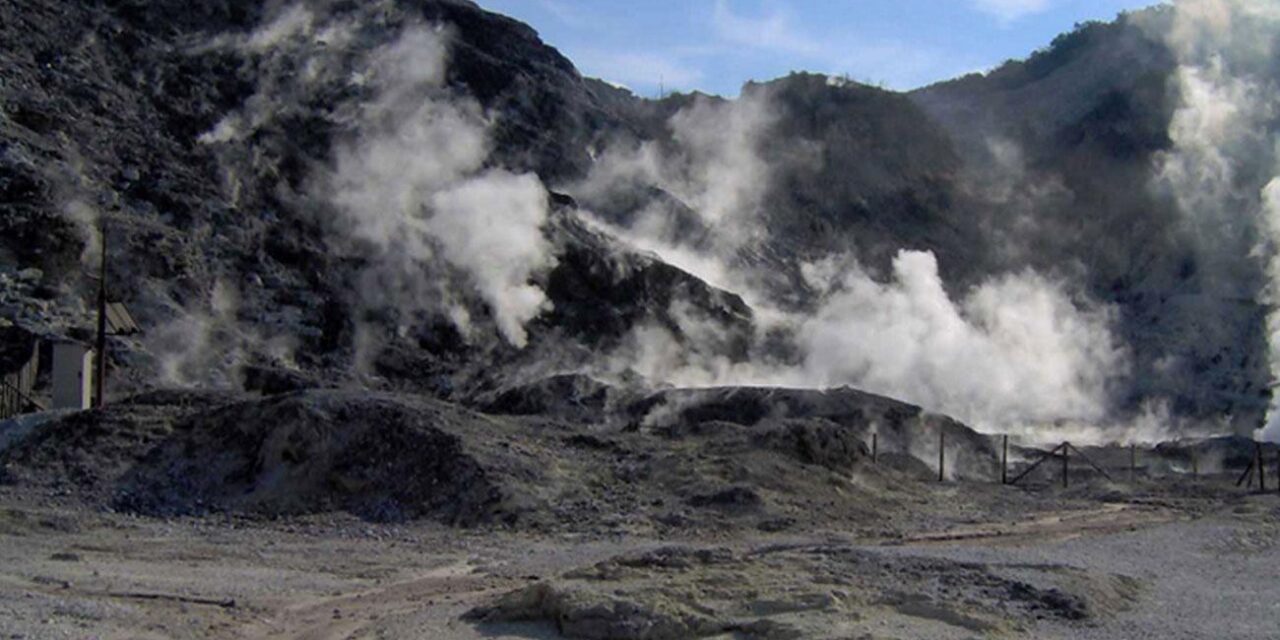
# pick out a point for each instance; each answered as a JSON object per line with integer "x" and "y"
{"x": 72, "y": 375}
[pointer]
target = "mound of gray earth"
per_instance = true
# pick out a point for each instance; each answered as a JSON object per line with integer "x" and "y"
{"x": 395, "y": 457}
{"x": 378, "y": 456}
{"x": 826, "y": 591}
{"x": 830, "y": 427}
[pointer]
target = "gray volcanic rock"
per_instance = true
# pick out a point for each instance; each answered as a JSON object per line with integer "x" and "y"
{"x": 391, "y": 457}
{"x": 112, "y": 111}
{"x": 832, "y": 428}
{"x": 812, "y": 591}
{"x": 379, "y": 457}
{"x": 113, "y": 130}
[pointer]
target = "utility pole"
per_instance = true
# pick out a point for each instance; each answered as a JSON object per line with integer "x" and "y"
{"x": 100, "y": 379}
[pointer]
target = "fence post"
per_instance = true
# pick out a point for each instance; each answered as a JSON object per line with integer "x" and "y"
{"x": 1262, "y": 464}
{"x": 1066, "y": 456}
{"x": 942, "y": 453}
{"x": 1248, "y": 473}
{"x": 1004, "y": 462}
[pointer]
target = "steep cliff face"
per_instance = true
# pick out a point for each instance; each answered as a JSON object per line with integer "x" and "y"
{"x": 423, "y": 195}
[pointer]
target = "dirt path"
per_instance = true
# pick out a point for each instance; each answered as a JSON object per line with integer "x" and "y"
{"x": 66, "y": 573}
{"x": 1048, "y": 527}
{"x": 1208, "y": 577}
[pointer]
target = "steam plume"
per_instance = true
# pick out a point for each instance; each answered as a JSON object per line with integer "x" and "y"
{"x": 1223, "y": 166}
{"x": 408, "y": 179}
{"x": 412, "y": 183}
{"x": 1015, "y": 351}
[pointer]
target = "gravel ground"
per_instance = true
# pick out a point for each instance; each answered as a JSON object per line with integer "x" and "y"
{"x": 1214, "y": 577}
{"x": 71, "y": 572}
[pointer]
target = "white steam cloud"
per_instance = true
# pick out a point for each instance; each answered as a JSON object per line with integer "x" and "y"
{"x": 206, "y": 344}
{"x": 1014, "y": 352}
{"x": 408, "y": 177}
{"x": 1224, "y": 166}
{"x": 491, "y": 226}
{"x": 713, "y": 165}
{"x": 417, "y": 201}
{"x": 413, "y": 183}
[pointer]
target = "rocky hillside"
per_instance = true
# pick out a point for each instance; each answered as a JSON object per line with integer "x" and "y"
{"x": 420, "y": 195}
{"x": 1087, "y": 122}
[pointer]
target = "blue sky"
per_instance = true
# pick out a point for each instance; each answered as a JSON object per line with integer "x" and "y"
{"x": 716, "y": 45}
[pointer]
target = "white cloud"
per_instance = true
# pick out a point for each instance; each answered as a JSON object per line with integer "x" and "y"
{"x": 567, "y": 15}
{"x": 1007, "y": 11}
{"x": 897, "y": 64}
{"x": 637, "y": 69}
{"x": 773, "y": 31}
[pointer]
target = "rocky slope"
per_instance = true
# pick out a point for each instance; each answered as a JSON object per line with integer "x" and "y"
{"x": 1088, "y": 119}
{"x": 713, "y": 460}
{"x": 261, "y": 175}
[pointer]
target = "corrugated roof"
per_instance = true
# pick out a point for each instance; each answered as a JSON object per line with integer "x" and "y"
{"x": 119, "y": 321}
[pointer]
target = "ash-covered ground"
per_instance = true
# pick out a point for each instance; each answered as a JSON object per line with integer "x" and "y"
{"x": 328, "y": 514}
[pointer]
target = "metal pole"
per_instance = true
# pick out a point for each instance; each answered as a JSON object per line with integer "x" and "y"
{"x": 1066, "y": 456}
{"x": 1004, "y": 462}
{"x": 942, "y": 454}
{"x": 101, "y": 378}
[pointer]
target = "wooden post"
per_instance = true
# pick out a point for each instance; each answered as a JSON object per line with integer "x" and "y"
{"x": 942, "y": 454}
{"x": 1133, "y": 462}
{"x": 1262, "y": 468}
{"x": 1248, "y": 473}
{"x": 1066, "y": 456}
{"x": 1044, "y": 455}
{"x": 875, "y": 448}
{"x": 100, "y": 379}
{"x": 1080, "y": 454}
{"x": 1004, "y": 462}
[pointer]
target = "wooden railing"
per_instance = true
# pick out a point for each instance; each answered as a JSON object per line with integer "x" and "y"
{"x": 14, "y": 402}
